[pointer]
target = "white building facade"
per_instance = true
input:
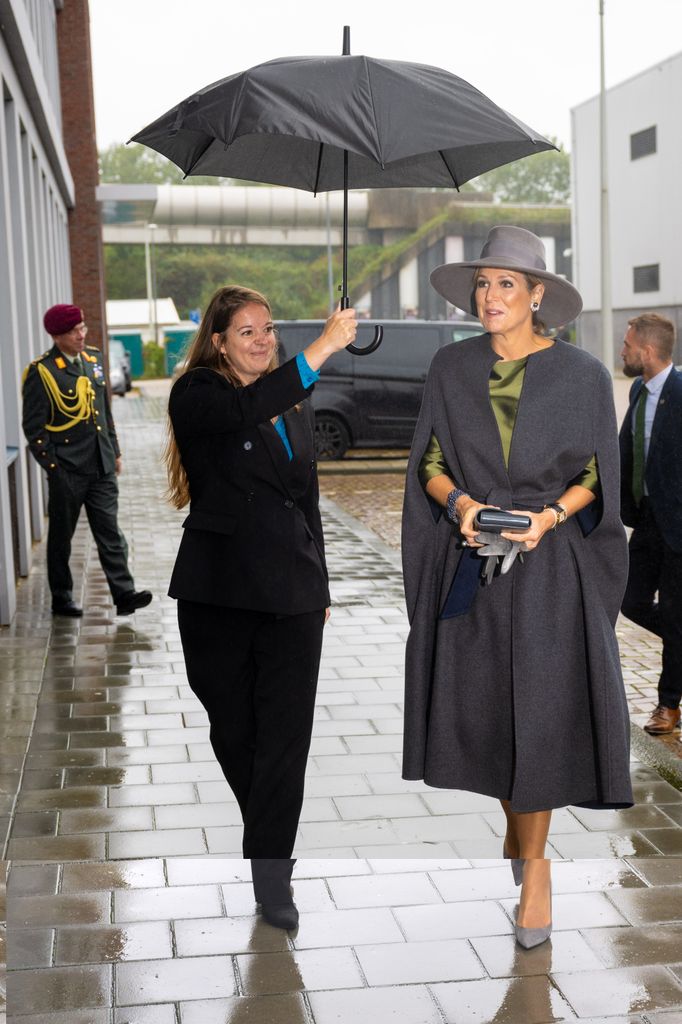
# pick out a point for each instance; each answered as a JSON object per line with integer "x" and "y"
{"x": 644, "y": 139}
{"x": 36, "y": 191}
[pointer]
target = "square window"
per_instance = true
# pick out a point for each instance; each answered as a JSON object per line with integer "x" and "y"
{"x": 646, "y": 279}
{"x": 643, "y": 143}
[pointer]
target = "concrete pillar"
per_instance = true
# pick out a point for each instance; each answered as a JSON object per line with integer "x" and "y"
{"x": 408, "y": 284}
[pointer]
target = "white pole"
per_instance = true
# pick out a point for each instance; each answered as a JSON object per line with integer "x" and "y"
{"x": 152, "y": 275}
{"x": 148, "y": 276}
{"x": 606, "y": 311}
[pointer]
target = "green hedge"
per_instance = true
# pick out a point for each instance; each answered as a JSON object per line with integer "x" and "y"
{"x": 154, "y": 358}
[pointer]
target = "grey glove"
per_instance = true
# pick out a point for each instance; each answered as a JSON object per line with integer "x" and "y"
{"x": 494, "y": 547}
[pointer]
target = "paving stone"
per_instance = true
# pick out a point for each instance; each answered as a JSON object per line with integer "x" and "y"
{"x": 289, "y": 1008}
{"x": 60, "y": 989}
{"x": 159, "y": 981}
{"x": 418, "y": 962}
{"x": 620, "y": 991}
{"x": 452, "y": 921}
{"x": 533, "y": 1000}
{"x": 397, "y": 1004}
{"x": 143, "y": 940}
{"x": 383, "y": 890}
{"x": 298, "y": 970}
{"x": 160, "y": 904}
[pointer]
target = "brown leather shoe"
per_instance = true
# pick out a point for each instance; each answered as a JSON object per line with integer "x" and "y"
{"x": 662, "y": 721}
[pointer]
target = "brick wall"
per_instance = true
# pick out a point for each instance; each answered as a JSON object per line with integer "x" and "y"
{"x": 78, "y": 116}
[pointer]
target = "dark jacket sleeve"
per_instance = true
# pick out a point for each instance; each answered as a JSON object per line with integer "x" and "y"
{"x": 111, "y": 426}
{"x": 202, "y": 401}
{"x": 35, "y": 414}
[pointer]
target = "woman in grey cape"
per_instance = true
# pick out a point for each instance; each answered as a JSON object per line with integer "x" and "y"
{"x": 513, "y": 684}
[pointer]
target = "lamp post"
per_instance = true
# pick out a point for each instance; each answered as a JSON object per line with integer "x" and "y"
{"x": 606, "y": 311}
{"x": 150, "y": 273}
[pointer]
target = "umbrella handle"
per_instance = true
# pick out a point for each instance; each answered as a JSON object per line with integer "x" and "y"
{"x": 373, "y": 345}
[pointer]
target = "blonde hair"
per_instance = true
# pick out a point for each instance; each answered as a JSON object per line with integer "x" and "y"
{"x": 224, "y": 304}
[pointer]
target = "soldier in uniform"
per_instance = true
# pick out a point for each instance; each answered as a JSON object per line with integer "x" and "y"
{"x": 70, "y": 430}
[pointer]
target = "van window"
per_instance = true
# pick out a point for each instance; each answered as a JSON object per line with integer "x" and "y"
{"x": 405, "y": 353}
{"x": 461, "y": 332}
{"x": 293, "y": 338}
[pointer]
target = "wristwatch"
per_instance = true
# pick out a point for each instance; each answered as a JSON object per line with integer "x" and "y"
{"x": 559, "y": 511}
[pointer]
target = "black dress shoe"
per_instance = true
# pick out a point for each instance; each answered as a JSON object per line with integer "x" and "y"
{"x": 129, "y": 603}
{"x": 280, "y": 915}
{"x": 68, "y": 608}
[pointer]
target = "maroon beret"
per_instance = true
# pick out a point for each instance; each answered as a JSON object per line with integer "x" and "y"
{"x": 61, "y": 319}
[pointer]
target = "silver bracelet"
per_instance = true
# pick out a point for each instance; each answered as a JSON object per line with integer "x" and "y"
{"x": 453, "y": 497}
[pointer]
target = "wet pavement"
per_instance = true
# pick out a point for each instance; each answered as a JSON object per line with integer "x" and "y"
{"x": 177, "y": 941}
{"x": 109, "y": 795}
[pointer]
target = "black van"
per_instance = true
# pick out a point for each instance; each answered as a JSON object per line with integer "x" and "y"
{"x": 372, "y": 401}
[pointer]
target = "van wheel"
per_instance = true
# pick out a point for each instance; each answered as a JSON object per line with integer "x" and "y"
{"x": 331, "y": 437}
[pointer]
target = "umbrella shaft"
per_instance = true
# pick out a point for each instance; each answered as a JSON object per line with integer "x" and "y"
{"x": 345, "y": 300}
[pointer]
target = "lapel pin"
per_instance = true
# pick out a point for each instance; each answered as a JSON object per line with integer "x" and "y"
{"x": 248, "y": 445}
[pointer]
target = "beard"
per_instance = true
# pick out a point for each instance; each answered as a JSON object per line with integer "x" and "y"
{"x": 632, "y": 371}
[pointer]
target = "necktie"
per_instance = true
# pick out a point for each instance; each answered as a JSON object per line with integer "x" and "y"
{"x": 638, "y": 448}
{"x": 78, "y": 364}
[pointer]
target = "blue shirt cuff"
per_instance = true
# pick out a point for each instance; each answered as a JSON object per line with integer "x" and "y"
{"x": 308, "y": 376}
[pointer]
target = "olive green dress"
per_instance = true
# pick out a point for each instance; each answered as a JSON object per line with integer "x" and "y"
{"x": 506, "y": 383}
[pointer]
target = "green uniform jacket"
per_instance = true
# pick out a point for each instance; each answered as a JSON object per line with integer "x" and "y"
{"x": 87, "y": 445}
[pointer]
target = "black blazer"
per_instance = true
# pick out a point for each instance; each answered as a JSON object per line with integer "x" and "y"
{"x": 253, "y": 536}
{"x": 663, "y": 470}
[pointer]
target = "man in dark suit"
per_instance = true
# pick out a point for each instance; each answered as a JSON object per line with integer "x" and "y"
{"x": 651, "y": 501}
{"x": 70, "y": 430}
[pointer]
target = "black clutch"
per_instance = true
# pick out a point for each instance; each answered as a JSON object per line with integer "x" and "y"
{"x": 496, "y": 520}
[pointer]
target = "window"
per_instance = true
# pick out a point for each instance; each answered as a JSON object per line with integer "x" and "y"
{"x": 461, "y": 333}
{"x": 646, "y": 279}
{"x": 643, "y": 143}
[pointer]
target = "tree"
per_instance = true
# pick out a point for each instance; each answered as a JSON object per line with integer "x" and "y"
{"x": 139, "y": 165}
{"x": 542, "y": 178}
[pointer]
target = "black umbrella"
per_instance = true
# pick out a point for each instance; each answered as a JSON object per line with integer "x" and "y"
{"x": 328, "y": 123}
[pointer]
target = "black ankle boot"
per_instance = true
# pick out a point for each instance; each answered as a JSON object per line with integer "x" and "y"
{"x": 280, "y": 915}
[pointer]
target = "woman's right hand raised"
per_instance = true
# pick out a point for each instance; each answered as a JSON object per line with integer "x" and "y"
{"x": 339, "y": 331}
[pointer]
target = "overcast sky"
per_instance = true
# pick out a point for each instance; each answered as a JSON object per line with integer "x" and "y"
{"x": 535, "y": 58}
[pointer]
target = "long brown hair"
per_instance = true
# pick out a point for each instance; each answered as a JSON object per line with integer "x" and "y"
{"x": 224, "y": 304}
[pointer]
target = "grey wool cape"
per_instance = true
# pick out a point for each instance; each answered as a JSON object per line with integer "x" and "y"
{"x": 521, "y": 697}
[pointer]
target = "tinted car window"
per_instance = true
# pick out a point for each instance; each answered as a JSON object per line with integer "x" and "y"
{"x": 405, "y": 353}
{"x": 461, "y": 332}
{"x": 294, "y": 337}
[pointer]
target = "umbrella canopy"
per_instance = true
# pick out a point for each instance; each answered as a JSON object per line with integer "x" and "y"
{"x": 327, "y": 123}
{"x": 289, "y": 122}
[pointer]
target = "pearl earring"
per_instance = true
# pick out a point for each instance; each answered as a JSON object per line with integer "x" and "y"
{"x": 535, "y": 306}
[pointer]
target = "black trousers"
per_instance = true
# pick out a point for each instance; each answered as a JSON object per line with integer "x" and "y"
{"x": 272, "y": 880}
{"x": 256, "y": 675}
{"x": 656, "y": 569}
{"x": 68, "y": 492}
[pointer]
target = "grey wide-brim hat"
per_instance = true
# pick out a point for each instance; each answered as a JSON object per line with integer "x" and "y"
{"x": 511, "y": 248}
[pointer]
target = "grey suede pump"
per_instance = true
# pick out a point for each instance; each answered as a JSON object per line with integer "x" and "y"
{"x": 516, "y": 866}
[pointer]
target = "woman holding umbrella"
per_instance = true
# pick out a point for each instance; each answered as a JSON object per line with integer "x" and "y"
{"x": 250, "y": 576}
{"x": 513, "y": 684}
